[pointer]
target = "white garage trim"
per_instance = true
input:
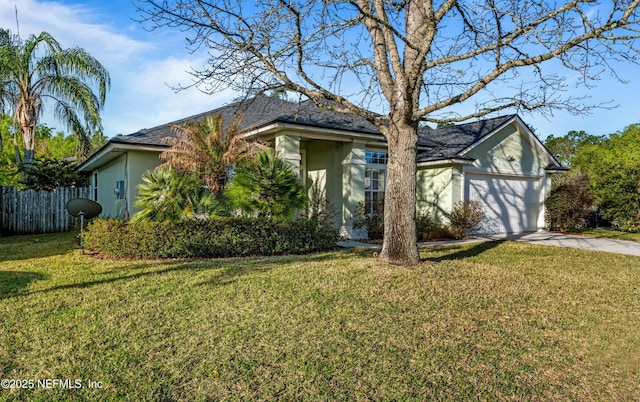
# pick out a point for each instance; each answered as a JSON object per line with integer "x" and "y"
{"x": 512, "y": 204}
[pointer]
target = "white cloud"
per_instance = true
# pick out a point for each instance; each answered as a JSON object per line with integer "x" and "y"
{"x": 150, "y": 100}
{"x": 142, "y": 64}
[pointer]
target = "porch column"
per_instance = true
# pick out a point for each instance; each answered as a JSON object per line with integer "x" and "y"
{"x": 287, "y": 148}
{"x": 353, "y": 172}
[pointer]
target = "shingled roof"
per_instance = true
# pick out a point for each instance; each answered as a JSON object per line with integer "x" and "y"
{"x": 448, "y": 142}
{"x": 262, "y": 111}
{"x": 259, "y": 112}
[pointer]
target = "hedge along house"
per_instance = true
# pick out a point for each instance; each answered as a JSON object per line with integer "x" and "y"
{"x": 343, "y": 158}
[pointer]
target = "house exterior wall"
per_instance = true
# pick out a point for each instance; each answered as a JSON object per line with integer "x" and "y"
{"x": 287, "y": 147}
{"x": 107, "y": 175}
{"x": 438, "y": 190}
{"x": 139, "y": 163}
{"x": 353, "y": 186}
{"x": 335, "y": 172}
{"x": 324, "y": 173}
{"x": 128, "y": 168}
{"x": 508, "y": 153}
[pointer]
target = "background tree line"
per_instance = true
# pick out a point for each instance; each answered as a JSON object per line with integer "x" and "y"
{"x": 55, "y": 158}
{"x": 604, "y": 174}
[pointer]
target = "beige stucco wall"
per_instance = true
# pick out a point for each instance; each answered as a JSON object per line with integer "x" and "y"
{"x": 438, "y": 189}
{"x": 324, "y": 173}
{"x": 128, "y": 167}
{"x": 508, "y": 153}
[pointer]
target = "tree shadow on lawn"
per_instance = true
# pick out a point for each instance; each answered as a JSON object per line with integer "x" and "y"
{"x": 25, "y": 247}
{"x": 461, "y": 252}
{"x": 13, "y": 283}
{"x": 229, "y": 270}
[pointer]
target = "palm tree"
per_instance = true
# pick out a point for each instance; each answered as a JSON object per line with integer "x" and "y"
{"x": 39, "y": 70}
{"x": 167, "y": 196}
{"x": 267, "y": 186}
{"x": 206, "y": 151}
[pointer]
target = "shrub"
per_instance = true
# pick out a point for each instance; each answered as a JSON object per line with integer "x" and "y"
{"x": 569, "y": 202}
{"x": 267, "y": 186}
{"x": 465, "y": 217}
{"x": 48, "y": 174}
{"x": 629, "y": 227}
{"x": 223, "y": 237}
{"x": 429, "y": 228}
{"x": 167, "y": 196}
{"x": 371, "y": 222}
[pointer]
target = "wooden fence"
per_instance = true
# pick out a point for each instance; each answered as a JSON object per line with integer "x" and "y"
{"x": 30, "y": 211}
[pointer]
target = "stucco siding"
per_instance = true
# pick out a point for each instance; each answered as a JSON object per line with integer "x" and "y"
{"x": 128, "y": 168}
{"x": 139, "y": 163}
{"x": 508, "y": 153}
{"x": 107, "y": 176}
{"x": 324, "y": 173}
{"x": 438, "y": 189}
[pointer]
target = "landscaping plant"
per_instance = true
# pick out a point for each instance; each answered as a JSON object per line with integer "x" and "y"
{"x": 168, "y": 196}
{"x": 465, "y": 217}
{"x": 267, "y": 186}
{"x": 207, "y": 151}
{"x": 569, "y": 203}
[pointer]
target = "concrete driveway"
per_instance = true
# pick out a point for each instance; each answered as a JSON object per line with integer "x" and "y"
{"x": 575, "y": 241}
{"x": 544, "y": 238}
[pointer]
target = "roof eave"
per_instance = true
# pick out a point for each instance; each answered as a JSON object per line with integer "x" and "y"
{"x": 556, "y": 169}
{"x": 313, "y": 132}
{"x": 112, "y": 150}
{"x": 446, "y": 162}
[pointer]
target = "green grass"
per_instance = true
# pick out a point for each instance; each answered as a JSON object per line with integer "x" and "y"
{"x": 490, "y": 321}
{"x": 609, "y": 234}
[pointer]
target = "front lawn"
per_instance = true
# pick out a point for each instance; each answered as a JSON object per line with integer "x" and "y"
{"x": 609, "y": 234}
{"x": 489, "y": 321}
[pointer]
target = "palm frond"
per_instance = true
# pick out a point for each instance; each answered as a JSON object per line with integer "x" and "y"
{"x": 208, "y": 151}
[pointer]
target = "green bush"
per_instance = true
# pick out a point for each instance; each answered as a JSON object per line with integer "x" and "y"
{"x": 225, "y": 237}
{"x": 268, "y": 187}
{"x": 427, "y": 227}
{"x": 569, "y": 202}
{"x": 629, "y": 226}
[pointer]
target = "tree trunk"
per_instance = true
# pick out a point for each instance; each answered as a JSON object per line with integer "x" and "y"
{"x": 27, "y": 113}
{"x": 400, "y": 245}
{"x": 29, "y": 143}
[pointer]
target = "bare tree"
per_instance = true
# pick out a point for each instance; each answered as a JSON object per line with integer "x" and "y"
{"x": 417, "y": 58}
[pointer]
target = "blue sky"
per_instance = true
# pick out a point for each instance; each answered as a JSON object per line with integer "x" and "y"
{"x": 144, "y": 64}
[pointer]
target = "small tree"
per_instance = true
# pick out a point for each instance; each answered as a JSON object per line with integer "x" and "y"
{"x": 167, "y": 196}
{"x": 569, "y": 203}
{"x": 47, "y": 174}
{"x": 267, "y": 186}
{"x": 613, "y": 168}
{"x": 207, "y": 151}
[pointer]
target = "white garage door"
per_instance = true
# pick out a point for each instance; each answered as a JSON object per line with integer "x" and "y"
{"x": 510, "y": 204}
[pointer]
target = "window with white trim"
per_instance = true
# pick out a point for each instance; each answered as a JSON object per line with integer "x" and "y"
{"x": 375, "y": 181}
{"x": 95, "y": 187}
